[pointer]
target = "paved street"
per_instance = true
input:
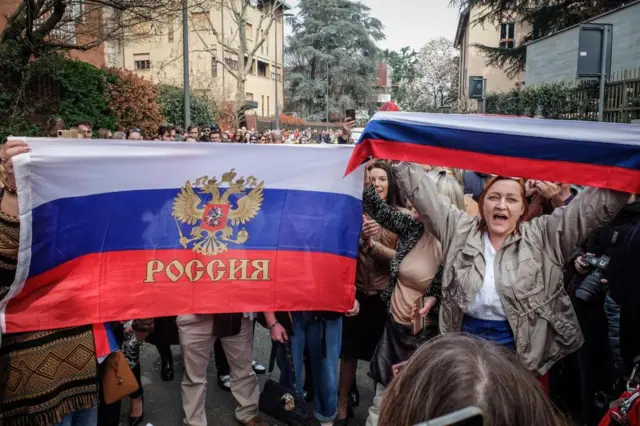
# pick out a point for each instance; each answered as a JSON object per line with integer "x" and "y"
{"x": 163, "y": 405}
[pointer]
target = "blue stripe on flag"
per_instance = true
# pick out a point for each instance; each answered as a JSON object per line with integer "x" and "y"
{"x": 65, "y": 229}
{"x": 518, "y": 146}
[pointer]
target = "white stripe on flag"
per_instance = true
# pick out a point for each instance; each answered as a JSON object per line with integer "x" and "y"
{"x": 565, "y": 129}
{"x": 77, "y": 167}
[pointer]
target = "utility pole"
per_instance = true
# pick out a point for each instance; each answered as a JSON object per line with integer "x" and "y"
{"x": 185, "y": 63}
{"x": 277, "y": 120}
{"x": 603, "y": 71}
{"x": 327, "y": 97}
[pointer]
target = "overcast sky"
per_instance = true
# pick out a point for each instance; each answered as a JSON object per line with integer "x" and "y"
{"x": 412, "y": 22}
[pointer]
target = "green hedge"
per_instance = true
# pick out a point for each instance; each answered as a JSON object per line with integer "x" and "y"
{"x": 554, "y": 100}
{"x": 171, "y": 100}
{"x": 82, "y": 89}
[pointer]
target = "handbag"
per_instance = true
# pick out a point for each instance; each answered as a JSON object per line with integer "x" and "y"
{"x": 626, "y": 409}
{"x": 284, "y": 404}
{"x": 118, "y": 380}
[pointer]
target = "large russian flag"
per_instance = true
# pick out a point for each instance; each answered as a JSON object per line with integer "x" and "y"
{"x": 115, "y": 230}
{"x": 578, "y": 152}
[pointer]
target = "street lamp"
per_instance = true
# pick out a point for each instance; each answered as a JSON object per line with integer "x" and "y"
{"x": 277, "y": 109}
{"x": 185, "y": 63}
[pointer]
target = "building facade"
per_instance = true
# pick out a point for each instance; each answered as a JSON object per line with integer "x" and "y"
{"x": 473, "y": 62}
{"x": 76, "y": 27}
{"x": 555, "y": 58}
{"x": 154, "y": 51}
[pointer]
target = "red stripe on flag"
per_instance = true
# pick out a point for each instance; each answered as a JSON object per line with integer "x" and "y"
{"x": 618, "y": 178}
{"x": 110, "y": 286}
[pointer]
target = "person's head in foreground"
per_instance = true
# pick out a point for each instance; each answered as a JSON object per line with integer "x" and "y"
{"x": 456, "y": 371}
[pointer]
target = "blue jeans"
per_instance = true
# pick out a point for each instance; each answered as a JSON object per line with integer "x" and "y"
{"x": 86, "y": 417}
{"x": 307, "y": 331}
{"x": 494, "y": 331}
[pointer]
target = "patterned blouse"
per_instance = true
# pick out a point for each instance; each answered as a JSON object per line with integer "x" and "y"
{"x": 409, "y": 231}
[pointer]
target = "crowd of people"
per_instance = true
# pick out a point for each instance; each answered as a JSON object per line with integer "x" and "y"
{"x": 506, "y": 262}
{"x": 204, "y": 133}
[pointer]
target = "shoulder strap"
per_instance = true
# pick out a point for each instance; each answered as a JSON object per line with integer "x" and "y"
{"x": 272, "y": 357}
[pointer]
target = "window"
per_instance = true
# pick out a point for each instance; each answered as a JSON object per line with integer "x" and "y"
{"x": 276, "y": 74}
{"x": 268, "y": 107}
{"x": 171, "y": 27}
{"x": 231, "y": 62}
{"x": 263, "y": 69}
{"x": 249, "y": 31}
{"x": 199, "y": 21}
{"x": 262, "y": 103}
{"x": 249, "y": 97}
{"x": 507, "y": 36}
{"x": 214, "y": 66}
{"x": 142, "y": 61}
{"x": 78, "y": 11}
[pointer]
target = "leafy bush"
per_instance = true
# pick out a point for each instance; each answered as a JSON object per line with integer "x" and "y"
{"x": 49, "y": 86}
{"x": 82, "y": 93}
{"x": 567, "y": 101}
{"x": 226, "y": 115}
{"x": 171, "y": 100}
{"x": 133, "y": 101}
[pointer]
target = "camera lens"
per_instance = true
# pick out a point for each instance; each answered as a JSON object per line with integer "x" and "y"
{"x": 591, "y": 287}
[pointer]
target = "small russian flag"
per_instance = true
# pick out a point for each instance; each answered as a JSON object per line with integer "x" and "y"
{"x": 105, "y": 341}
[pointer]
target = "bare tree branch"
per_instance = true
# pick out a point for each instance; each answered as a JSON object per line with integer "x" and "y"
{"x": 11, "y": 20}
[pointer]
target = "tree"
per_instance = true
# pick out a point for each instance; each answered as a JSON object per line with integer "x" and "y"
{"x": 435, "y": 83}
{"x": 543, "y": 16}
{"x": 40, "y": 26}
{"x": 333, "y": 47}
{"x": 403, "y": 63}
{"x": 403, "y": 66}
{"x": 237, "y": 43}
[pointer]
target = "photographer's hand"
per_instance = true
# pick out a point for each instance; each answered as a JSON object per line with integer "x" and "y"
{"x": 581, "y": 267}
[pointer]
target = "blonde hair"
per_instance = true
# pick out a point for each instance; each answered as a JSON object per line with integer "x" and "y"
{"x": 454, "y": 371}
{"x": 104, "y": 134}
{"x": 449, "y": 187}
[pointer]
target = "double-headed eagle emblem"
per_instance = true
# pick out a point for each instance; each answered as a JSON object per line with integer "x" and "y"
{"x": 213, "y": 208}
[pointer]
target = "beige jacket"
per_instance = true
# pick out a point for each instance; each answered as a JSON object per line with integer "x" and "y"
{"x": 528, "y": 268}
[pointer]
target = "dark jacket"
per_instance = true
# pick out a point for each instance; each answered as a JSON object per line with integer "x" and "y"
{"x": 474, "y": 183}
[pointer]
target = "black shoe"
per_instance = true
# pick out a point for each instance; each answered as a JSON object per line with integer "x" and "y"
{"x": 135, "y": 421}
{"x": 166, "y": 369}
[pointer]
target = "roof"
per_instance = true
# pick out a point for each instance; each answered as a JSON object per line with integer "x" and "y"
{"x": 463, "y": 21}
{"x": 630, "y": 4}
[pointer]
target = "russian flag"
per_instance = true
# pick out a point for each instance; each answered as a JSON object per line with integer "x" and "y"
{"x": 116, "y": 230}
{"x": 586, "y": 153}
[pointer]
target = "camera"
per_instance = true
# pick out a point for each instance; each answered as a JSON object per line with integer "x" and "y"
{"x": 591, "y": 286}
